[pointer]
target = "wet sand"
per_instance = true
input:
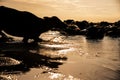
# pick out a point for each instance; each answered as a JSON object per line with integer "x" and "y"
{"x": 61, "y": 58}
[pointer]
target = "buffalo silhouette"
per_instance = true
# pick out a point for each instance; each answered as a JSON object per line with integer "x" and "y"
{"x": 25, "y": 24}
{"x": 95, "y": 33}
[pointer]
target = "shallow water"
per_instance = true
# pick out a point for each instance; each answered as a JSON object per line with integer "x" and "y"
{"x": 61, "y": 58}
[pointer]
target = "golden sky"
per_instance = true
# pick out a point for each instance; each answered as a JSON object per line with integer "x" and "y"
{"x": 90, "y": 10}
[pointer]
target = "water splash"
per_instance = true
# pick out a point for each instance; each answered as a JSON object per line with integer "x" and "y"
{"x": 59, "y": 76}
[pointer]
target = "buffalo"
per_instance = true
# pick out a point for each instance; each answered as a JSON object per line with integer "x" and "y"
{"x": 95, "y": 33}
{"x": 25, "y": 24}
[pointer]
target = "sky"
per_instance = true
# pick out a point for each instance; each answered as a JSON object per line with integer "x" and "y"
{"x": 90, "y": 10}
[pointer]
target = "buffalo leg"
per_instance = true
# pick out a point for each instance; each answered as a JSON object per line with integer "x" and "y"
{"x": 3, "y": 35}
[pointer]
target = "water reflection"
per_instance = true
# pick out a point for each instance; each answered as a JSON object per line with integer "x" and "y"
{"x": 109, "y": 47}
{"x": 30, "y": 57}
{"x": 106, "y": 54}
{"x": 99, "y": 59}
{"x": 86, "y": 59}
